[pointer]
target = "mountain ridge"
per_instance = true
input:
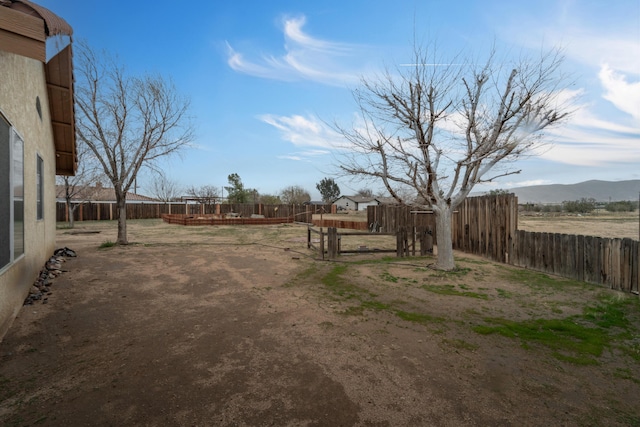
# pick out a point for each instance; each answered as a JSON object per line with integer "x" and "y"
{"x": 601, "y": 191}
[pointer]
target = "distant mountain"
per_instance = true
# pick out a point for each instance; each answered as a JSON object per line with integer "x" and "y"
{"x": 602, "y": 191}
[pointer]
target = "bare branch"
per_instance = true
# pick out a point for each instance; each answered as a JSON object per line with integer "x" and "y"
{"x": 441, "y": 129}
{"x": 127, "y": 122}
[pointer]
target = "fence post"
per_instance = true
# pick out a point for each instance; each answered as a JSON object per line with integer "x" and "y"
{"x": 332, "y": 242}
{"x": 402, "y": 244}
{"x": 426, "y": 241}
{"x": 413, "y": 237}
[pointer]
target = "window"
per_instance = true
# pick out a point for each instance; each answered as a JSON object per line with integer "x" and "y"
{"x": 11, "y": 194}
{"x": 39, "y": 190}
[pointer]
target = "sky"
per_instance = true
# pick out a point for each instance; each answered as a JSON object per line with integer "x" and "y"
{"x": 267, "y": 78}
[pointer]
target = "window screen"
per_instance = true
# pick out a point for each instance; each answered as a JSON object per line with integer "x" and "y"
{"x": 11, "y": 194}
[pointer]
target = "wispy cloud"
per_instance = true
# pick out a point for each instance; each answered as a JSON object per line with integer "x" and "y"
{"x": 305, "y": 156}
{"x": 623, "y": 95}
{"x": 291, "y": 157}
{"x": 606, "y": 129}
{"x": 304, "y": 131}
{"x": 592, "y": 138}
{"x": 304, "y": 58}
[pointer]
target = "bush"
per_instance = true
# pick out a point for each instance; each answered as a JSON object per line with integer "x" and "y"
{"x": 579, "y": 206}
{"x": 622, "y": 206}
{"x": 551, "y": 208}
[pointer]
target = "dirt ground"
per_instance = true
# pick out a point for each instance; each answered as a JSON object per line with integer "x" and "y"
{"x": 242, "y": 326}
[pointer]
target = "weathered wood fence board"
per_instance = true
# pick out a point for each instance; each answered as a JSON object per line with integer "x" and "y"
{"x": 338, "y": 223}
{"x": 216, "y": 220}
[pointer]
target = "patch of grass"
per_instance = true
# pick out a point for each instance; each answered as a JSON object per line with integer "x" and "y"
{"x": 375, "y": 305}
{"x": 561, "y": 335}
{"x": 631, "y": 349}
{"x": 305, "y": 274}
{"x": 388, "y": 277}
{"x": 451, "y": 290}
{"x": 626, "y": 374}
{"x": 472, "y": 261}
{"x": 457, "y": 272}
{"x": 608, "y": 313}
{"x": 107, "y": 244}
{"x": 460, "y": 344}
{"x": 335, "y": 282}
{"x": 576, "y": 339}
{"x": 423, "y": 319}
{"x": 539, "y": 281}
{"x": 385, "y": 260}
{"x": 504, "y": 294}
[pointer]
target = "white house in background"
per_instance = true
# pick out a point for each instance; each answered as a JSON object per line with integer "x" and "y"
{"x": 360, "y": 203}
{"x": 355, "y": 203}
{"x": 37, "y": 142}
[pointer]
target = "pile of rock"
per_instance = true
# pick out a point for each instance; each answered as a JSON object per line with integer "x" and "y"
{"x": 41, "y": 289}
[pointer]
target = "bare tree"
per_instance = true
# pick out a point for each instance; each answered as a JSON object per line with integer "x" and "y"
{"x": 164, "y": 188}
{"x": 365, "y": 192}
{"x": 270, "y": 199}
{"x": 294, "y": 195}
{"x": 439, "y": 127}
{"x": 127, "y": 122}
{"x": 77, "y": 189}
{"x": 206, "y": 194}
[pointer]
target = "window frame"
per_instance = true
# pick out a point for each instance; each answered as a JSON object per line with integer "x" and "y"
{"x": 39, "y": 188}
{"x": 15, "y": 228}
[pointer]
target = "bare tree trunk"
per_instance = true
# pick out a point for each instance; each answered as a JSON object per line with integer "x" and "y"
{"x": 444, "y": 216}
{"x": 70, "y": 212}
{"x": 122, "y": 221}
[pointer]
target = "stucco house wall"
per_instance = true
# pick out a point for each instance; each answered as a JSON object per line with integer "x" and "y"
{"x": 23, "y": 82}
{"x": 37, "y": 141}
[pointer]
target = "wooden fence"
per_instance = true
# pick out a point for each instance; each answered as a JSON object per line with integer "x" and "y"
{"x": 98, "y": 211}
{"x": 338, "y": 223}
{"x": 217, "y": 219}
{"x": 407, "y": 240}
{"x": 485, "y": 226}
{"x": 390, "y": 218}
{"x": 488, "y": 226}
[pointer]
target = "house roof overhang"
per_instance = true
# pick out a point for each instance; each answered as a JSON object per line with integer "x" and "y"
{"x": 24, "y": 30}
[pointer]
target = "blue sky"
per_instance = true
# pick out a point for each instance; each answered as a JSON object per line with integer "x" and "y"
{"x": 264, "y": 77}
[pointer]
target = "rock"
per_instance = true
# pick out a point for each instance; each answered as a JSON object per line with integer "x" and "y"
{"x": 52, "y": 269}
{"x": 53, "y": 265}
{"x": 65, "y": 252}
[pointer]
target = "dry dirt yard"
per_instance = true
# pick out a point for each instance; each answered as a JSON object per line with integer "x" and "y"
{"x": 243, "y": 326}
